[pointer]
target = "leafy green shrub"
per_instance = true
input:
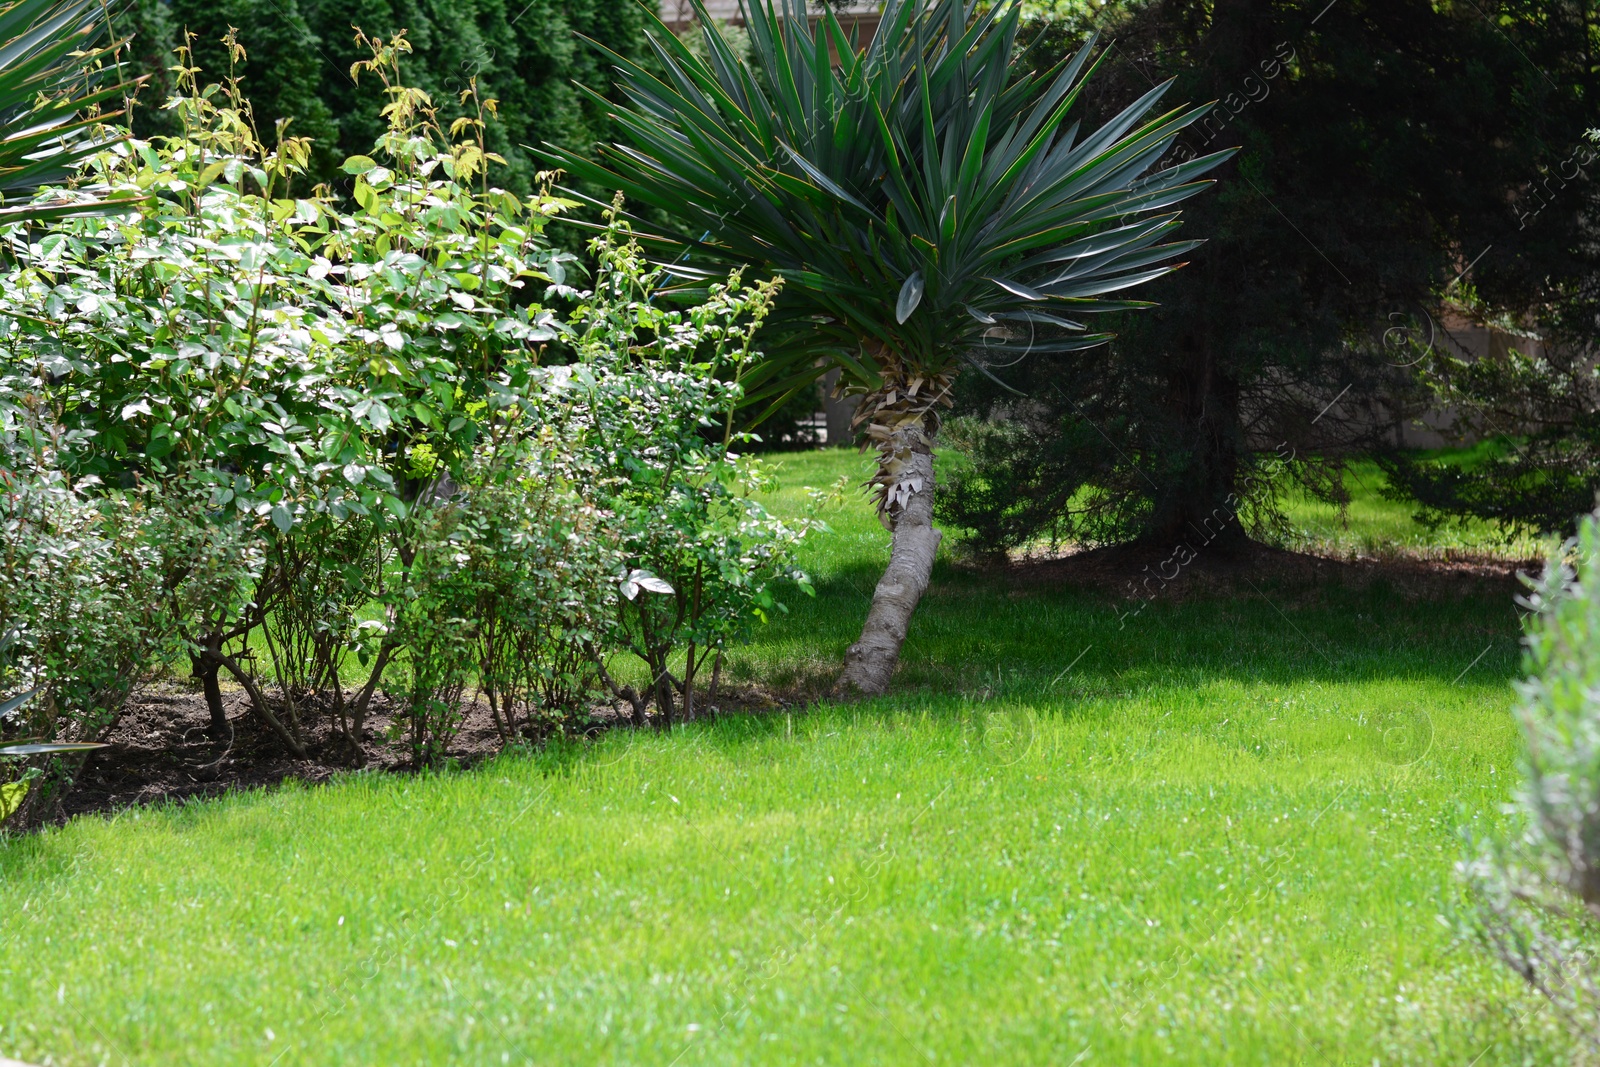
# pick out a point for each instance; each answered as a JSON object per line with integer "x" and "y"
{"x": 1539, "y": 895}
{"x": 79, "y": 595}
{"x": 701, "y": 555}
{"x": 288, "y": 359}
{"x": 511, "y": 581}
{"x": 547, "y": 560}
{"x": 82, "y": 610}
{"x": 173, "y": 347}
{"x": 625, "y": 523}
{"x": 320, "y": 414}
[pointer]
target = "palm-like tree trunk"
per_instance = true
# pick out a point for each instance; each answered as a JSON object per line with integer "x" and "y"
{"x": 903, "y": 420}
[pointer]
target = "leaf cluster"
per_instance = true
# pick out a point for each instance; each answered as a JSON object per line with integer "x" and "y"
{"x": 922, "y": 194}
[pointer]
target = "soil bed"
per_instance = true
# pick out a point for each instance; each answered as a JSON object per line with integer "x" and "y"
{"x": 161, "y": 750}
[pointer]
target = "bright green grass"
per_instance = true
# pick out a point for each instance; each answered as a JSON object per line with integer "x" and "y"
{"x": 1374, "y": 526}
{"x": 1223, "y": 834}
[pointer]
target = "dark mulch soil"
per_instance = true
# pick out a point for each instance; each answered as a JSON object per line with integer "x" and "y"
{"x": 161, "y": 750}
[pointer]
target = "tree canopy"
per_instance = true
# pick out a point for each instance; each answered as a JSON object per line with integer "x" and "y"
{"x": 1390, "y": 154}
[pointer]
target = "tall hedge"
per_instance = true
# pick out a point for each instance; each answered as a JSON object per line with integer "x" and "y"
{"x": 525, "y": 54}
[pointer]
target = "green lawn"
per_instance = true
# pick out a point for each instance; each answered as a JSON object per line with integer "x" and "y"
{"x": 1374, "y": 526}
{"x": 1221, "y": 834}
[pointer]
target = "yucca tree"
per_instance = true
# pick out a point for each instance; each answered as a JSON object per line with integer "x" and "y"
{"x": 927, "y": 203}
{"x": 56, "y": 68}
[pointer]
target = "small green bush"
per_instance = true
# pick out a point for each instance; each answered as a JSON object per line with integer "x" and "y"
{"x": 81, "y": 610}
{"x": 1539, "y": 894}
{"x": 701, "y": 556}
{"x": 513, "y": 574}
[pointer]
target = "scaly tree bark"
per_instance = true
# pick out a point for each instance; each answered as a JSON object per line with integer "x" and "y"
{"x": 904, "y": 423}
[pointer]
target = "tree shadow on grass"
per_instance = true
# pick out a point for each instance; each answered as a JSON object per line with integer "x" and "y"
{"x": 1113, "y": 616}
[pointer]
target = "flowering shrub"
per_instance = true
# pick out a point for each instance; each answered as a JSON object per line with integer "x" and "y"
{"x": 287, "y": 414}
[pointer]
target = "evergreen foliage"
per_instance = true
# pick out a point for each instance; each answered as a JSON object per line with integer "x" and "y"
{"x": 1384, "y": 146}
{"x": 524, "y": 54}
